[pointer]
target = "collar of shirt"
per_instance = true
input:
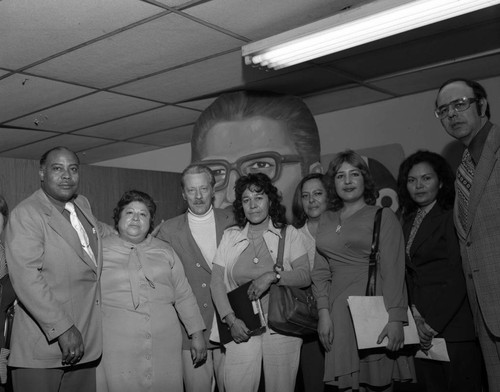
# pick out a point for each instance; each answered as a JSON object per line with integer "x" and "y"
{"x": 477, "y": 144}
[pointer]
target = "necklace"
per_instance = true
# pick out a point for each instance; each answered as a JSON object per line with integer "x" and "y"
{"x": 255, "y": 250}
{"x": 339, "y": 226}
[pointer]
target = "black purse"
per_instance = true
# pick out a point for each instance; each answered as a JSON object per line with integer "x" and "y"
{"x": 292, "y": 310}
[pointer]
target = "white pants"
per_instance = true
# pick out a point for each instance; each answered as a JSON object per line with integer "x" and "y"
{"x": 278, "y": 354}
{"x": 201, "y": 379}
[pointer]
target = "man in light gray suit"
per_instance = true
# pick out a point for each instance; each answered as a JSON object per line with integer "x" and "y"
{"x": 463, "y": 109}
{"x": 195, "y": 236}
{"x": 55, "y": 270}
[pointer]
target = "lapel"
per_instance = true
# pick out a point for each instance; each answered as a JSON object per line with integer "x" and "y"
{"x": 222, "y": 221}
{"x": 63, "y": 228}
{"x": 88, "y": 215}
{"x": 426, "y": 229}
{"x": 483, "y": 172}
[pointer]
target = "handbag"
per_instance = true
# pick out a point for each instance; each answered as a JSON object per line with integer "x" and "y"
{"x": 292, "y": 310}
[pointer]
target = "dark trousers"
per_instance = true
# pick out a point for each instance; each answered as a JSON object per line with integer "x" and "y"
{"x": 461, "y": 374}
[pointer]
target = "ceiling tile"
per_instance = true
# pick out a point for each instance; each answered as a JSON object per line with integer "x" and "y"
{"x": 432, "y": 78}
{"x": 51, "y": 26}
{"x": 200, "y": 104}
{"x": 195, "y": 80}
{"x": 143, "y": 123}
{"x": 73, "y": 142}
{"x": 168, "y": 138}
{"x": 12, "y": 138}
{"x": 94, "y": 108}
{"x": 113, "y": 150}
{"x": 157, "y": 45}
{"x": 342, "y": 99}
{"x": 21, "y": 94}
{"x": 266, "y": 18}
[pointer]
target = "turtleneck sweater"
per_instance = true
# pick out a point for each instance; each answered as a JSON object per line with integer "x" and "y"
{"x": 204, "y": 233}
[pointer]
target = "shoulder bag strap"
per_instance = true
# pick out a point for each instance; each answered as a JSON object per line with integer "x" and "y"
{"x": 281, "y": 250}
{"x": 374, "y": 256}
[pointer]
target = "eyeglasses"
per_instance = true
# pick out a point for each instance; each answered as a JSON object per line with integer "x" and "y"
{"x": 269, "y": 163}
{"x": 458, "y": 105}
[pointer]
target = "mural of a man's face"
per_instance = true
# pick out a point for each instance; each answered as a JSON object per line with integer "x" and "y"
{"x": 255, "y": 144}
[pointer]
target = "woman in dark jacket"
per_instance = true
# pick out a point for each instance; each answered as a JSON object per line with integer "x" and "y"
{"x": 435, "y": 278}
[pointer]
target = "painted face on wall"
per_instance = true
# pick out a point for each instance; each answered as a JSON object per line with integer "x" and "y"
{"x": 256, "y": 144}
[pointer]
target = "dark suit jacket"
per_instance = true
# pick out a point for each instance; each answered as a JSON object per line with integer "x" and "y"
{"x": 436, "y": 282}
{"x": 57, "y": 284}
{"x": 176, "y": 232}
{"x": 480, "y": 240}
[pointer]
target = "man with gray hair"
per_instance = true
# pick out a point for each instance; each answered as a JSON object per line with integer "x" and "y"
{"x": 195, "y": 236}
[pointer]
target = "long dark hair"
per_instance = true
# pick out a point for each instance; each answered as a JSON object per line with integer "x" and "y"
{"x": 258, "y": 182}
{"x": 370, "y": 194}
{"x": 299, "y": 215}
{"x": 446, "y": 194}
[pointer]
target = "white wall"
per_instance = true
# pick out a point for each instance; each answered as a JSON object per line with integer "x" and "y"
{"x": 409, "y": 121}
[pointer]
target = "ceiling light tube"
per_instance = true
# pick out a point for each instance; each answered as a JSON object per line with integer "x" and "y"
{"x": 354, "y": 27}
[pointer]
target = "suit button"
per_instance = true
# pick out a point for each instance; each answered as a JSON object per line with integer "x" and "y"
{"x": 205, "y": 305}
{"x": 198, "y": 265}
{"x": 203, "y": 285}
{"x": 468, "y": 243}
{"x": 470, "y": 276}
{"x": 97, "y": 302}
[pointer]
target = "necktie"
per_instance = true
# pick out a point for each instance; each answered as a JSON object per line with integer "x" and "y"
{"x": 419, "y": 217}
{"x": 465, "y": 175}
{"x": 82, "y": 235}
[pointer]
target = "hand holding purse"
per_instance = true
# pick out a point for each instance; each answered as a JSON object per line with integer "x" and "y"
{"x": 292, "y": 310}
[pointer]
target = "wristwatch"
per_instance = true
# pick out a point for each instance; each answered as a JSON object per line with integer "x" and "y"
{"x": 277, "y": 276}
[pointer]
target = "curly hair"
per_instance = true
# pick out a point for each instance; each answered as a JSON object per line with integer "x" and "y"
{"x": 131, "y": 196}
{"x": 370, "y": 194}
{"x": 446, "y": 194}
{"x": 299, "y": 215}
{"x": 261, "y": 183}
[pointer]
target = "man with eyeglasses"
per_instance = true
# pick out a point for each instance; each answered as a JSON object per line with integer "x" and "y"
{"x": 250, "y": 132}
{"x": 463, "y": 110}
{"x": 195, "y": 236}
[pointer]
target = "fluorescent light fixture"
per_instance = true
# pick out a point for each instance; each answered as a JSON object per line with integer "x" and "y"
{"x": 354, "y": 27}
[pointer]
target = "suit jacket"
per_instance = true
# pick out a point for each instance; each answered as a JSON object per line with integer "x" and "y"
{"x": 176, "y": 232}
{"x": 480, "y": 240}
{"x": 57, "y": 284}
{"x": 436, "y": 282}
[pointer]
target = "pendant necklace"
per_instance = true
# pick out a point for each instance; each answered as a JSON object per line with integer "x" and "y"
{"x": 256, "y": 251}
{"x": 339, "y": 226}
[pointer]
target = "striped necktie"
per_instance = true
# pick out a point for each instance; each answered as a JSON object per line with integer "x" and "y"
{"x": 465, "y": 175}
{"x": 82, "y": 234}
{"x": 419, "y": 217}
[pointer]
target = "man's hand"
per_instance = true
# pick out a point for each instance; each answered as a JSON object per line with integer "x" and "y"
{"x": 71, "y": 345}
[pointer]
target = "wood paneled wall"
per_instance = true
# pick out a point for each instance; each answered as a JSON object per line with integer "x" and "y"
{"x": 103, "y": 186}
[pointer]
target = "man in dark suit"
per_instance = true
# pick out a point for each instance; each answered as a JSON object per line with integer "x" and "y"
{"x": 195, "y": 236}
{"x": 56, "y": 338}
{"x": 463, "y": 109}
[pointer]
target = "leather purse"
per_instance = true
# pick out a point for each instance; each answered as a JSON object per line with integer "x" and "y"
{"x": 292, "y": 310}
